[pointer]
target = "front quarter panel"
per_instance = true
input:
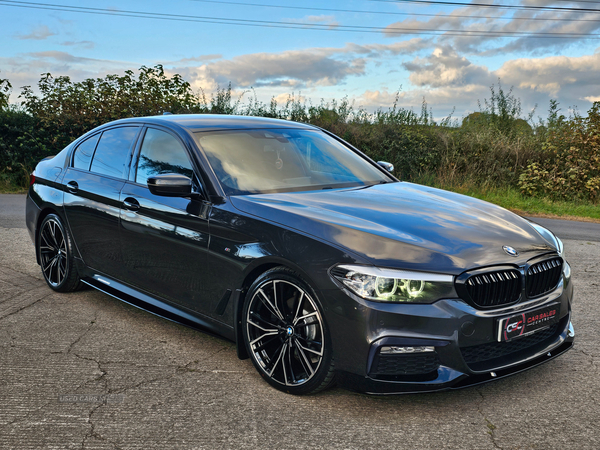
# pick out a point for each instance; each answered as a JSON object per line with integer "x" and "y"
{"x": 242, "y": 247}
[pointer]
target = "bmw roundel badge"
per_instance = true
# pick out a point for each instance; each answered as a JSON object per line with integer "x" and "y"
{"x": 511, "y": 251}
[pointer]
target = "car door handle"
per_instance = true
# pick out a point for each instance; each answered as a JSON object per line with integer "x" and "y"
{"x": 131, "y": 204}
{"x": 72, "y": 187}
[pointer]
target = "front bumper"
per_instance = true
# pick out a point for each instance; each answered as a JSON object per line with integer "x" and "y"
{"x": 464, "y": 340}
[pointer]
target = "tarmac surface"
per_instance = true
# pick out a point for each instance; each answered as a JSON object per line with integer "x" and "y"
{"x": 170, "y": 387}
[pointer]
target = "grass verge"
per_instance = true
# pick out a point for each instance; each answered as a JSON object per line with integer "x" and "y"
{"x": 510, "y": 198}
{"x": 8, "y": 186}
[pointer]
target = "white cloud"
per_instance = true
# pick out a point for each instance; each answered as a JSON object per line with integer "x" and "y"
{"x": 328, "y": 21}
{"x": 380, "y": 98}
{"x": 475, "y": 29}
{"x": 26, "y": 69}
{"x": 82, "y": 44}
{"x": 446, "y": 78}
{"x": 39, "y": 33}
{"x": 195, "y": 59}
{"x": 292, "y": 69}
{"x": 445, "y": 68}
{"x": 295, "y": 69}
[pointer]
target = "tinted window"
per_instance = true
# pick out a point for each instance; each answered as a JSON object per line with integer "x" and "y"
{"x": 161, "y": 153}
{"x": 112, "y": 153}
{"x": 85, "y": 151}
{"x": 256, "y": 161}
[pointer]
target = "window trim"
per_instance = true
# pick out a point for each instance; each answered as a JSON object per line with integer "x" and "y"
{"x": 132, "y": 146}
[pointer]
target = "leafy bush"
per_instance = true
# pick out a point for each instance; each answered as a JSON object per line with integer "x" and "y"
{"x": 66, "y": 110}
{"x": 569, "y": 164}
{"x": 5, "y": 88}
{"x": 493, "y": 147}
{"x": 22, "y": 145}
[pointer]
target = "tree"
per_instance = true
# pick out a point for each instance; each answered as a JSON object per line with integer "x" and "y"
{"x": 67, "y": 109}
{"x": 5, "y": 89}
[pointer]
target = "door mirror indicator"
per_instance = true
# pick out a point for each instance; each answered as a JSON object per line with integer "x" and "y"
{"x": 386, "y": 165}
{"x": 170, "y": 185}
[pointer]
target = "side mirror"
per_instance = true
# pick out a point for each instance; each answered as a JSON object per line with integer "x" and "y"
{"x": 386, "y": 165}
{"x": 170, "y": 185}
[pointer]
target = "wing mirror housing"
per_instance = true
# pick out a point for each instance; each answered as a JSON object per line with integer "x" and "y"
{"x": 170, "y": 185}
{"x": 386, "y": 165}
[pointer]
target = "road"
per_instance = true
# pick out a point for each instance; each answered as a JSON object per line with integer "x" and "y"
{"x": 12, "y": 211}
{"x": 173, "y": 387}
{"x": 12, "y": 215}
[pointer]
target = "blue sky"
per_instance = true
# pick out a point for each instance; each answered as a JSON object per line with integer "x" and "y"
{"x": 448, "y": 54}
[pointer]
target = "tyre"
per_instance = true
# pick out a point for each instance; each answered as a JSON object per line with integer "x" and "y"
{"x": 54, "y": 247}
{"x": 285, "y": 333}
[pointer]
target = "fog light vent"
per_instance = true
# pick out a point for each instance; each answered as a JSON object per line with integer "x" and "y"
{"x": 400, "y": 363}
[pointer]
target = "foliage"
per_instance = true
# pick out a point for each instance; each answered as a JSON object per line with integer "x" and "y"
{"x": 494, "y": 147}
{"x": 65, "y": 109}
{"x": 21, "y": 146}
{"x": 569, "y": 164}
{"x": 500, "y": 113}
{"x": 5, "y": 89}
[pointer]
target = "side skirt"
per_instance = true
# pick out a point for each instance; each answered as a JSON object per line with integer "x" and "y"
{"x": 157, "y": 307}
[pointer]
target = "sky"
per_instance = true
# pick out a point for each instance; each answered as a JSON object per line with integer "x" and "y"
{"x": 371, "y": 52}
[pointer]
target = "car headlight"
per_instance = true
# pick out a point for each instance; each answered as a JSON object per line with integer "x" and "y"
{"x": 390, "y": 285}
{"x": 560, "y": 248}
{"x": 550, "y": 237}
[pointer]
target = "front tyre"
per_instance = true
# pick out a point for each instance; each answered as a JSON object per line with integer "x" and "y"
{"x": 54, "y": 247}
{"x": 285, "y": 333}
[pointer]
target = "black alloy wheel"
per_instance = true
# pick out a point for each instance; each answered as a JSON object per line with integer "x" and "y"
{"x": 285, "y": 333}
{"x": 56, "y": 259}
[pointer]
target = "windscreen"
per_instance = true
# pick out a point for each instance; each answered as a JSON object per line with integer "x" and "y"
{"x": 262, "y": 161}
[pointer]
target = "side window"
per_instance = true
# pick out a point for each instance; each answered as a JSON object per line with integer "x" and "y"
{"x": 84, "y": 152}
{"x": 161, "y": 153}
{"x": 112, "y": 153}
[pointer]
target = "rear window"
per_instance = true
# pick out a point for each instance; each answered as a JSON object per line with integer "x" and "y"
{"x": 84, "y": 152}
{"x": 112, "y": 153}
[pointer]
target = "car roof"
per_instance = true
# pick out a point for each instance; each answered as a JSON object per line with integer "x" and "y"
{"x": 215, "y": 122}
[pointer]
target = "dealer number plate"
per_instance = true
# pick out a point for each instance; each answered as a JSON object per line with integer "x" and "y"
{"x": 527, "y": 323}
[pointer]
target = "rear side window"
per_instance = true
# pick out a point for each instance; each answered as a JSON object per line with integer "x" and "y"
{"x": 112, "y": 152}
{"x": 161, "y": 153}
{"x": 84, "y": 152}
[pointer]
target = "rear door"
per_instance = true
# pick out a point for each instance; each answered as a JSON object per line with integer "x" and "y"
{"x": 93, "y": 182}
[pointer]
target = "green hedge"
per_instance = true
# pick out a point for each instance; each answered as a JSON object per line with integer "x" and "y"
{"x": 493, "y": 147}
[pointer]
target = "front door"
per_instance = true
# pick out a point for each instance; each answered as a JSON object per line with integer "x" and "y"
{"x": 164, "y": 239}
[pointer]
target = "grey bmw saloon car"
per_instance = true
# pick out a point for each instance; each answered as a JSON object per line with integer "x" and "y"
{"x": 316, "y": 261}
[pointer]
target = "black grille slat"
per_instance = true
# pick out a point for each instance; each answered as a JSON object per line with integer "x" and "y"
{"x": 413, "y": 364}
{"x": 486, "y": 352}
{"x": 533, "y": 277}
{"x": 546, "y": 276}
{"x": 487, "y": 288}
{"x": 496, "y": 288}
{"x": 503, "y": 287}
{"x": 543, "y": 277}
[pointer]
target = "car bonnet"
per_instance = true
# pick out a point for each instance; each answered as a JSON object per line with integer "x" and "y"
{"x": 404, "y": 225}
